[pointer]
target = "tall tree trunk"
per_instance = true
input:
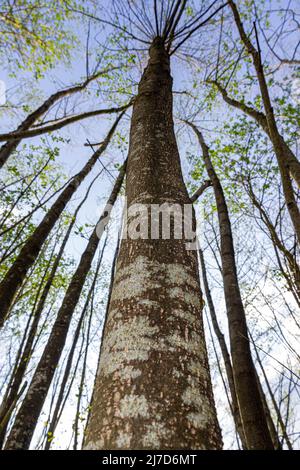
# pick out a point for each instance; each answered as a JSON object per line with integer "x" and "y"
{"x": 17, "y": 272}
{"x": 26, "y": 419}
{"x": 273, "y": 399}
{"x": 287, "y": 158}
{"x": 23, "y": 361}
{"x": 225, "y": 354}
{"x": 271, "y": 425}
{"x": 251, "y": 407}
{"x": 289, "y": 165}
{"x": 55, "y": 416}
{"x": 153, "y": 386}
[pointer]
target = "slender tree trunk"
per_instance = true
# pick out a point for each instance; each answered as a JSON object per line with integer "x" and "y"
{"x": 6, "y": 417}
{"x": 153, "y": 386}
{"x": 26, "y": 419}
{"x": 222, "y": 377}
{"x": 271, "y": 425}
{"x": 21, "y": 362}
{"x": 286, "y": 156}
{"x": 112, "y": 275}
{"x": 292, "y": 161}
{"x": 225, "y": 354}
{"x": 55, "y": 415}
{"x": 83, "y": 374}
{"x": 289, "y": 165}
{"x": 251, "y": 407}
{"x": 273, "y": 399}
{"x": 28, "y": 349}
{"x": 15, "y": 275}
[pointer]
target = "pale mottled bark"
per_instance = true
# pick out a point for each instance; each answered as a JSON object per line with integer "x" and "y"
{"x": 153, "y": 388}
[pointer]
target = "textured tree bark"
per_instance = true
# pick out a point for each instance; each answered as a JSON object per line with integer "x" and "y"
{"x": 17, "y": 272}
{"x": 23, "y": 428}
{"x": 26, "y": 351}
{"x": 60, "y": 397}
{"x": 225, "y": 354}
{"x": 251, "y": 407}
{"x": 153, "y": 388}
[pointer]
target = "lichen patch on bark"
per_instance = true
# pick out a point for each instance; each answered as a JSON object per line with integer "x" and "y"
{"x": 133, "y": 406}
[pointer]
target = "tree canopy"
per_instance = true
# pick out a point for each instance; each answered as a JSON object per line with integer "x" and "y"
{"x": 74, "y": 74}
